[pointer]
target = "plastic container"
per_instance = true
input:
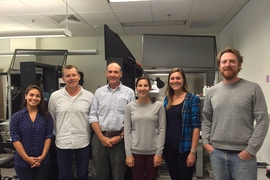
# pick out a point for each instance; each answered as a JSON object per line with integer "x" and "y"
{"x": 210, "y": 174}
{"x": 204, "y": 90}
{"x": 209, "y": 169}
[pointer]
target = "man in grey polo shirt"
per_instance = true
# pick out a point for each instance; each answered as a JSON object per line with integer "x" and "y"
{"x": 107, "y": 120}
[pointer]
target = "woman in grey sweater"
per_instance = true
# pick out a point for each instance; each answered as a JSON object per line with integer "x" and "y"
{"x": 144, "y": 133}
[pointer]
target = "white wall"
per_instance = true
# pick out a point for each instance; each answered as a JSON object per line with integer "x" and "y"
{"x": 7, "y": 45}
{"x": 249, "y": 33}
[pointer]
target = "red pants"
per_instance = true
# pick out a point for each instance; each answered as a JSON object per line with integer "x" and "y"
{"x": 143, "y": 168}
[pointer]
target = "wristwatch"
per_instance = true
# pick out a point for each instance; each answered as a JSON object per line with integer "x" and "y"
{"x": 193, "y": 151}
{"x": 121, "y": 136}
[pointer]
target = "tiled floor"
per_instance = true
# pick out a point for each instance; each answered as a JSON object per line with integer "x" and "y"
{"x": 163, "y": 176}
{"x": 261, "y": 176}
{"x": 7, "y": 172}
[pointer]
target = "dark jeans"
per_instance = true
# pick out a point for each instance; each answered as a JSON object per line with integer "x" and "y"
{"x": 38, "y": 173}
{"x": 176, "y": 164}
{"x": 65, "y": 162}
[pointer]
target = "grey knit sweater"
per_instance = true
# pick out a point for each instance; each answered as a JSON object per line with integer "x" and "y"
{"x": 144, "y": 128}
{"x": 229, "y": 113}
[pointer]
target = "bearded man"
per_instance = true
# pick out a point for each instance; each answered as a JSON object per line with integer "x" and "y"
{"x": 229, "y": 112}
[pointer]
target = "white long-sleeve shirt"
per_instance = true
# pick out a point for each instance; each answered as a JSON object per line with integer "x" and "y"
{"x": 70, "y": 115}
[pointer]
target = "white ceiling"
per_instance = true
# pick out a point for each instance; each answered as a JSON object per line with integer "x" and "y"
{"x": 202, "y": 16}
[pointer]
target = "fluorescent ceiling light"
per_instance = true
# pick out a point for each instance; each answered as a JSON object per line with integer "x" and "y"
{"x": 83, "y": 52}
{"x": 154, "y": 23}
{"x": 35, "y": 33}
{"x": 112, "y": 1}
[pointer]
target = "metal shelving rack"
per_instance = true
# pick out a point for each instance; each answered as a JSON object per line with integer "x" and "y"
{"x": 33, "y": 66}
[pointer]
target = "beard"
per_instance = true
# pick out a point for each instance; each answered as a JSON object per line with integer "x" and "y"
{"x": 229, "y": 74}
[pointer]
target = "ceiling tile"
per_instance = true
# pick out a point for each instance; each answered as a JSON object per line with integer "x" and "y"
{"x": 169, "y": 29}
{"x": 15, "y": 7}
{"x": 134, "y": 16}
{"x": 35, "y": 21}
{"x": 93, "y": 14}
{"x": 84, "y": 6}
{"x": 178, "y": 10}
{"x": 131, "y": 6}
{"x": 47, "y": 6}
{"x": 99, "y": 17}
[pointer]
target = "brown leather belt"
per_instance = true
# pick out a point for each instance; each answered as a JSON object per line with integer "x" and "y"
{"x": 111, "y": 133}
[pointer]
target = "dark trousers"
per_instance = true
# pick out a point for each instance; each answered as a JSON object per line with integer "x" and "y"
{"x": 38, "y": 173}
{"x": 177, "y": 164}
{"x": 65, "y": 162}
{"x": 143, "y": 168}
{"x": 108, "y": 160}
{"x": 128, "y": 174}
{"x": 53, "y": 170}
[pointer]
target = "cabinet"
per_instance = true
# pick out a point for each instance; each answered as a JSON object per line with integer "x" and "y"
{"x": 44, "y": 75}
{"x": 48, "y": 77}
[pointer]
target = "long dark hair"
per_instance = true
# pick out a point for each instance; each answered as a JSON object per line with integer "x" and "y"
{"x": 42, "y": 105}
{"x": 169, "y": 91}
{"x": 153, "y": 100}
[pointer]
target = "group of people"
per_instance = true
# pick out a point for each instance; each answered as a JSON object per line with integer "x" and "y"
{"x": 138, "y": 133}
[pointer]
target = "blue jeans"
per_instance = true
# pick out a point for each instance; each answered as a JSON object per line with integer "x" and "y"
{"x": 37, "y": 173}
{"x": 226, "y": 165}
{"x": 65, "y": 162}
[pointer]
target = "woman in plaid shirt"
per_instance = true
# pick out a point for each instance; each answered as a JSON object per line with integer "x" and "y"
{"x": 183, "y": 126}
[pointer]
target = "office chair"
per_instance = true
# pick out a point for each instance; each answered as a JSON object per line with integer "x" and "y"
{"x": 6, "y": 159}
{"x": 267, "y": 172}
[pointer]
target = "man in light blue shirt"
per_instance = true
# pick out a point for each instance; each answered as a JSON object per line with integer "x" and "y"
{"x": 107, "y": 120}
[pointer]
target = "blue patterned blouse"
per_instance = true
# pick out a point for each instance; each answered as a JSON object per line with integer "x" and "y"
{"x": 32, "y": 135}
{"x": 191, "y": 114}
